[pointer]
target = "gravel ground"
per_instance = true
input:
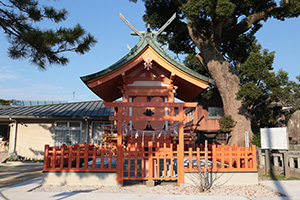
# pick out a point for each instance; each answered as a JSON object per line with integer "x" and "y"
{"x": 252, "y": 192}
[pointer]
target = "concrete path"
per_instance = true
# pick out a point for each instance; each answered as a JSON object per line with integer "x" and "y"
{"x": 14, "y": 173}
{"x": 289, "y": 188}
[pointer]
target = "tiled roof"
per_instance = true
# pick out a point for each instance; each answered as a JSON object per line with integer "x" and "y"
{"x": 146, "y": 39}
{"x": 79, "y": 110}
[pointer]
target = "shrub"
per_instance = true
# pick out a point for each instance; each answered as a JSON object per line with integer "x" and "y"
{"x": 226, "y": 123}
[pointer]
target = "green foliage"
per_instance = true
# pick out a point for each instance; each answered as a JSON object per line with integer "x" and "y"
{"x": 5, "y": 102}
{"x": 17, "y": 158}
{"x": 224, "y": 30}
{"x": 193, "y": 63}
{"x": 256, "y": 140}
{"x": 256, "y": 78}
{"x": 261, "y": 87}
{"x": 227, "y": 25}
{"x": 224, "y": 9}
{"x": 226, "y": 123}
{"x": 278, "y": 177}
{"x": 19, "y": 21}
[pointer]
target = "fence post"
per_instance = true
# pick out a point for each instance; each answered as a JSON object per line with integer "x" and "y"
{"x": 222, "y": 156}
{"x": 94, "y": 157}
{"x": 254, "y": 164}
{"x": 62, "y": 151}
{"x": 190, "y": 159}
{"x": 150, "y": 145}
{"x": 238, "y": 154}
{"x": 267, "y": 161}
{"x": 86, "y": 150}
{"x": 286, "y": 164}
{"x": 171, "y": 160}
{"x": 77, "y": 156}
{"x": 46, "y": 153}
{"x": 291, "y": 162}
{"x": 214, "y": 157}
{"x": 70, "y": 157}
{"x": 230, "y": 157}
{"x": 206, "y": 162}
{"x": 165, "y": 160}
{"x": 53, "y": 157}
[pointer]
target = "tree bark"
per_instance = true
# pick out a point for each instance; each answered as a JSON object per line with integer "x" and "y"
{"x": 228, "y": 84}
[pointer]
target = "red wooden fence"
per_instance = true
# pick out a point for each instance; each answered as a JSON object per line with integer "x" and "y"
{"x": 149, "y": 161}
{"x": 221, "y": 158}
{"x": 80, "y": 158}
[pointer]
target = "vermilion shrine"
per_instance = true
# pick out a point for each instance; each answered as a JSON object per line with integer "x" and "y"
{"x": 151, "y": 137}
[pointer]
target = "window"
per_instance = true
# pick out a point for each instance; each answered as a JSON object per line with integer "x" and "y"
{"x": 98, "y": 131}
{"x": 67, "y": 133}
{"x": 215, "y": 112}
{"x": 221, "y": 137}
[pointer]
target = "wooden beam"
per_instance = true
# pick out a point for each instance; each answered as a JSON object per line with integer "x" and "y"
{"x": 130, "y": 80}
{"x": 123, "y": 77}
{"x": 151, "y": 104}
{"x": 147, "y": 118}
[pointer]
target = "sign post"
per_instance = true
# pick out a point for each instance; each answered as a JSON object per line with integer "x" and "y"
{"x": 274, "y": 139}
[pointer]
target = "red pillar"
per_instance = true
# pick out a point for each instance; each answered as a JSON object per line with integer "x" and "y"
{"x": 120, "y": 147}
{"x": 180, "y": 148}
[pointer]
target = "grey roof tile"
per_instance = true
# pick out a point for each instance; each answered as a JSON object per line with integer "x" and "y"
{"x": 91, "y": 109}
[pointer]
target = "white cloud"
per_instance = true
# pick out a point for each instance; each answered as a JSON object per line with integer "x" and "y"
{"x": 7, "y": 74}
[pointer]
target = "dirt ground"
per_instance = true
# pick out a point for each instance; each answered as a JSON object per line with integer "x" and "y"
{"x": 11, "y": 175}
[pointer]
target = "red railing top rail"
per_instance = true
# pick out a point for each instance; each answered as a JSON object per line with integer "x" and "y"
{"x": 83, "y": 157}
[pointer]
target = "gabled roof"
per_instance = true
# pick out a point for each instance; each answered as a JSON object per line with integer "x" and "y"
{"x": 74, "y": 110}
{"x": 147, "y": 41}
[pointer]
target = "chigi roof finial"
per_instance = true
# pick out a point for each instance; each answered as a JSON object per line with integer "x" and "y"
{"x": 140, "y": 33}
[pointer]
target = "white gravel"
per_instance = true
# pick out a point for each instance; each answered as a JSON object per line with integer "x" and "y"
{"x": 251, "y": 191}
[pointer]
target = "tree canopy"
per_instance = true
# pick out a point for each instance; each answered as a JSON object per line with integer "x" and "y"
{"x": 220, "y": 34}
{"x": 265, "y": 92}
{"x": 228, "y": 25}
{"x": 43, "y": 47}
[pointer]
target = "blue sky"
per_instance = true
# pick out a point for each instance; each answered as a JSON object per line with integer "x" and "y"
{"x": 23, "y": 81}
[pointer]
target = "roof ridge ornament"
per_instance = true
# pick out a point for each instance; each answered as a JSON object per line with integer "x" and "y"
{"x": 130, "y": 25}
{"x": 166, "y": 25}
{"x": 140, "y": 33}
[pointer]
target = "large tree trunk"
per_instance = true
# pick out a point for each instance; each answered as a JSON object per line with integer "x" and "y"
{"x": 228, "y": 85}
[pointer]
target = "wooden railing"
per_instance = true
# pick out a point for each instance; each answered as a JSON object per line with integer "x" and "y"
{"x": 149, "y": 161}
{"x": 221, "y": 158}
{"x": 81, "y": 158}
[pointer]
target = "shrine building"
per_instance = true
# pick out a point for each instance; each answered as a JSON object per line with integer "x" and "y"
{"x": 151, "y": 136}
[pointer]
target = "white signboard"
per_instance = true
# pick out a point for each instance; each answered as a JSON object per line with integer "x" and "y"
{"x": 274, "y": 138}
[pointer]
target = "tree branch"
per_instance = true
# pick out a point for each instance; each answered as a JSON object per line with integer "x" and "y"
{"x": 196, "y": 40}
{"x": 246, "y": 24}
{"x": 6, "y": 5}
{"x": 252, "y": 107}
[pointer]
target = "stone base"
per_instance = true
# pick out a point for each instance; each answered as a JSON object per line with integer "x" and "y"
{"x": 80, "y": 178}
{"x": 225, "y": 178}
{"x": 150, "y": 183}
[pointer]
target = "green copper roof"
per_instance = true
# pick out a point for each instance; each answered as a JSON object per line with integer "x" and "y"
{"x": 147, "y": 38}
